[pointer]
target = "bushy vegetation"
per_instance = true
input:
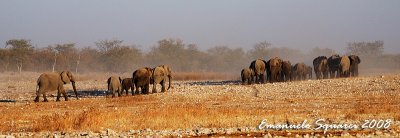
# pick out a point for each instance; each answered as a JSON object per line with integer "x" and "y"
{"x": 115, "y": 56}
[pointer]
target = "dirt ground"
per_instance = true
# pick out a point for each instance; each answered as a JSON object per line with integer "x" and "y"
{"x": 203, "y": 108}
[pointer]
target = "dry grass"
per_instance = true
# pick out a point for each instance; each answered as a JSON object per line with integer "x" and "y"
{"x": 208, "y": 106}
{"x": 183, "y": 76}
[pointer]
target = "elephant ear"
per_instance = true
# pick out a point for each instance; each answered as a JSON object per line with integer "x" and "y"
{"x": 64, "y": 77}
{"x": 70, "y": 76}
{"x": 358, "y": 60}
{"x": 168, "y": 70}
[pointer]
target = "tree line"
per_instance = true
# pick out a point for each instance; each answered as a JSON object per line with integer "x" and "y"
{"x": 115, "y": 56}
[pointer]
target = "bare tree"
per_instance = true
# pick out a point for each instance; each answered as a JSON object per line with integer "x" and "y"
{"x": 366, "y": 48}
{"x": 77, "y": 63}
{"x": 260, "y": 50}
{"x": 106, "y": 45}
{"x": 21, "y": 49}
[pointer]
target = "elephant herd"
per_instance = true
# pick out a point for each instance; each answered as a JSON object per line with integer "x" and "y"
{"x": 141, "y": 79}
{"x": 277, "y": 70}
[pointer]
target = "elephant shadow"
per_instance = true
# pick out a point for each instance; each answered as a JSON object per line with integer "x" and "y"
{"x": 88, "y": 93}
{"x": 228, "y": 82}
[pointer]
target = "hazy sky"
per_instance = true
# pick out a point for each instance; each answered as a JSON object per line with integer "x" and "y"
{"x": 297, "y": 24}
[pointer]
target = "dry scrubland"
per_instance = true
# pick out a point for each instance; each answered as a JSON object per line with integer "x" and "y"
{"x": 194, "y": 108}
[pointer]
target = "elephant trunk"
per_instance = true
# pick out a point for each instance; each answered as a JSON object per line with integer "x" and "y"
{"x": 73, "y": 86}
{"x": 169, "y": 80}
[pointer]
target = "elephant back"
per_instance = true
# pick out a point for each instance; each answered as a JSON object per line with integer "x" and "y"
{"x": 286, "y": 66}
{"x": 159, "y": 71}
{"x": 334, "y": 61}
{"x": 258, "y": 66}
{"x": 345, "y": 62}
{"x": 246, "y": 72}
{"x": 300, "y": 68}
{"x": 114, "y": 81}
{"x": 320, "y": 63}
{"x": 275, "y": 62}
{"x": 354, "y": 59}
{"x": 49, "y": 81}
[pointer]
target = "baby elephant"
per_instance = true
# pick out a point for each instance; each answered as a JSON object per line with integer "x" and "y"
{"x": 126, "y": 85}
{"x": 114, "y": 85}
{"x": 247, "y": 75}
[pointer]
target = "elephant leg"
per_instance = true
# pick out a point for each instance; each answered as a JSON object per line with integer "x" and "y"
{"x": 163, "y": 86}
{"x": 132, "y": 90}
{"x": 37, "y": 98}
{"x": 118, "y": 92}
{"x": 142, "y": 90}
{"x": 64, "y": 93}
{"x": 154, "y": 87}
{"x": 45, "y": 98}
{"x": 137, "y": 89}
{"x": 356, "y": 72}
{"x": 147, "y": 88}
{"x": 58, "y": 95}
{"x": 40, "y": 91}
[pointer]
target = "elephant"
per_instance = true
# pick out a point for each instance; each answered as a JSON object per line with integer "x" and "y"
{"x": 160, "y": 75}
{"x": 309, "y": 72}
{"x": 333, "y": 64}
{"x": 126, "y": 85}
{"x": 286, "y": 71}
{"x": 247, "y": 74}
{"x": 258, "y": 66}
{"x": 354, "y": 61}
{"x": 299, "y": 71}
{"x": 114, "y": 85}
{"x": 141, "y": 78}
{"x": 54, "y": 81}
{"x": 274, "y": 69}
{"x": 344, "y": 66}
{"x": 321, "y": 67}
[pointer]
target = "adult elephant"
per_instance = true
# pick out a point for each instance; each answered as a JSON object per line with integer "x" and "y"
{"x": 333, "y": 64}
{"x": 126, "y": 85}
{"x": 354, "y": 61}
{"x": 321, "y": 67}
{"x": 258, "y": 66}
{"x": 274, "y": 69}
{"x": 114, "y": 86}
{"x": 286, "y": 71}
{"x": 54, "y": 81}
{"x": 161, "y": 75}
{"x": 299, "y": 71}
{"x": 141, "y": 79}
{"x": 247, "y": 75}
{"x": 344, "y": 66}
